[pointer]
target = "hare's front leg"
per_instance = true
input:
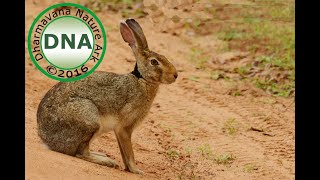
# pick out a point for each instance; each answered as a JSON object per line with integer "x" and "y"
{"x": 124, "y": 141}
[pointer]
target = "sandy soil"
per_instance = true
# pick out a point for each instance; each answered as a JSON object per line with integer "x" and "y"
{"x": 185, "y": 129}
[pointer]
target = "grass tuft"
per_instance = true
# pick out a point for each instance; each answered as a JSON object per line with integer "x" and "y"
{"x": 230, "y": 127}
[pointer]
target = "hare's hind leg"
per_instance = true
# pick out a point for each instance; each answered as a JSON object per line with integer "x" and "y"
{"x": 98, "y": 159}
{"x": 86, "y": 116}
{"x": 94, "y": 157}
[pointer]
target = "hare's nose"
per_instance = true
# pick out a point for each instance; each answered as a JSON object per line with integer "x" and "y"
{"x": 175, "y": 75}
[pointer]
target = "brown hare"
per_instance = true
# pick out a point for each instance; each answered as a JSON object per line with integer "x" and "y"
{"x": 72, "y": 114}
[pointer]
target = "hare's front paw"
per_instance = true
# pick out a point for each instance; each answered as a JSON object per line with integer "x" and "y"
{"x": 135, "y": 171}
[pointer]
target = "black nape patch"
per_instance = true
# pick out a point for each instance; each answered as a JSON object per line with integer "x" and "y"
{"x": 136, "y": 71}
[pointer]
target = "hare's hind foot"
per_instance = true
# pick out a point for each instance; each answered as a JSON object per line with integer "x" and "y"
{"x": 98, "y": 158}
{"x": 98, "y": 154}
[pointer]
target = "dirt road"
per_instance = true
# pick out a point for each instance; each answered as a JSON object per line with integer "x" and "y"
{"x": 195, "y": 130}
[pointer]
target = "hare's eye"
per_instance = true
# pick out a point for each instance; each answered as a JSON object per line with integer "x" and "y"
{"x": 154, "y": 62}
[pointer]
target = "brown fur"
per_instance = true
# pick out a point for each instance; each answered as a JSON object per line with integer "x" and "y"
{"x": 72, "y": 114}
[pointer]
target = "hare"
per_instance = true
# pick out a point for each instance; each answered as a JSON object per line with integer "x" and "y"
{"x": 72, "y": 114}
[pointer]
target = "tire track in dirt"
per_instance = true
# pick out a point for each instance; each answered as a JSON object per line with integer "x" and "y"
{"x": 216, "y": 133}
{"x": 276, "y": 148}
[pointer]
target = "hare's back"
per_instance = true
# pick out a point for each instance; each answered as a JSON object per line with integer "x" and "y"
{"x": 111, "y": 92}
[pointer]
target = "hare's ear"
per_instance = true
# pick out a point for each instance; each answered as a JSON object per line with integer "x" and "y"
{"x": 127, "y": 35}
{"x": 138, "y": 33}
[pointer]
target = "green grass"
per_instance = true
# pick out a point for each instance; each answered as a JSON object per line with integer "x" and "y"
{"x": 230, "y": 126}
{"x": 243, "y": 70}
{"x": 283, "y": 90}
{"x": 266, "y": 29}
{"x": 193, "y": 78}
{"x": 236, "y": 93}
{"x": 230, "y": 34}
{"x": 224, "y": 159}
{"x": 173, "y": 154}
{"x": 272, "y": 39}
{"x": 251, "y": 20}
{"x": 218, "y": 75}
{"x": 249, "y": 168}
{"x": 284, "y": 63}
{"x": 198, "y": 57}
{"x": 205, "y": 150}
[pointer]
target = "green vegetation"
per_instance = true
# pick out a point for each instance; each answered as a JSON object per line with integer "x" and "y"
{"x": 224, "y": 159}
{"x": 193, "y": 78}
{"x": 218, "y": 75}
{"x": 230, "y": 34}
{"x": 272, "y": 87}
{"x": 268, "y": 33}
{"x": 249, "y": 168}
{"x": 205, "y": 150}
{"x": 243, "y": 70}
{"x": 230, "y": 126}
{"x": 264, "y": 28}
{"x": 173, "y": 154}
{"x": 198, "y": 57}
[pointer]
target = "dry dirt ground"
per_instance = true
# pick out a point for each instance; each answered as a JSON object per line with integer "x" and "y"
{"x": 189, "y": 129}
